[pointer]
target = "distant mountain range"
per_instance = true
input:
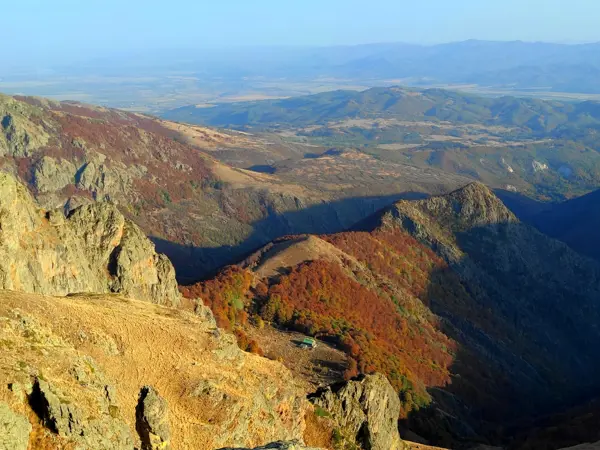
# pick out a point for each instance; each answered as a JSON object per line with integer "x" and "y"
{"x": 534, "y": 115}
{"x": 162, "y": 79}
{"x": 507, "y": 65}
{"x": 547, "y": 149}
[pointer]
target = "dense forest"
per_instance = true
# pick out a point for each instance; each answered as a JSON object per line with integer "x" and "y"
{"x": 376, "y": 311}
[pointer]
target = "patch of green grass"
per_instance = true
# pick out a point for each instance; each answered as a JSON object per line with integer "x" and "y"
{"x": 321, "y": 412}
{"x": 166, "y": 197}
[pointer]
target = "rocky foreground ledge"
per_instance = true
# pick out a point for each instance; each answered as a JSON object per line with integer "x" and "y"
{"x": 104, "y": 372}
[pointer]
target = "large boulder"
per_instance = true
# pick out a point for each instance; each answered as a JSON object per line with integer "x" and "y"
{"x": 94, "y": 249}
{"x": 152, "y": 420}
{"x": 366, "y": 409}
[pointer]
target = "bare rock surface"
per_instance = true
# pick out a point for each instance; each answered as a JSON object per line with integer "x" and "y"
{"x": 94, "y": 249}
{"x": 61, "y": 415}
{"x": 366, "y": 409}
{"x": 20, "y": 136}
{"x": 14, "y": 429}
{"x": 51, "y": 174}
{"x": 152, "y": 420}
{"x": 281, "y": 445}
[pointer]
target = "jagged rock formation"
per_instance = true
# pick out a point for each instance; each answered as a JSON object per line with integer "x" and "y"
{"x": 79, "y": 362}
{"x": 20, "y": 135}
{"x": 52, "y": 175}
{"x": 93, "y": 249}
{"x": 61, "y": 414}
{"x": 152, "y": 420}
{"x": 366, "y": 409}
{"x": 528, "y": 316}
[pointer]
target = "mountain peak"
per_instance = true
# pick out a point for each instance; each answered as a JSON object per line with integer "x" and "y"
{"x": 474, "y": 187}
{"x": 470, "y": 206}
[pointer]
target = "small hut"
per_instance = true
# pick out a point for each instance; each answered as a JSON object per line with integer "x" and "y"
{"x": 308, "y": 343}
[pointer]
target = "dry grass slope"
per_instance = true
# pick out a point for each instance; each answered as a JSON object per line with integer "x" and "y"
{"x": 217, "y": 395}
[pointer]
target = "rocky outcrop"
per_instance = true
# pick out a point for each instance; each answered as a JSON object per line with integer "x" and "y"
{"x": 20, "y": 136}
{"x": 471, "y": 206}
{"x": 14, "y": 429}
{"x": 152, "y": 420}
{"x": 107, "y": 180}
{"x": 93, "y": 249}
{"x": 80, "y": 361}
{"x": 515, "y": 282}
{"x": 437, "y": 220}
{"x": 366, "y": 410}
{"x": 281, "y": 445}
{"x": 61, "y": 415}
{"x": 51, "y": 174}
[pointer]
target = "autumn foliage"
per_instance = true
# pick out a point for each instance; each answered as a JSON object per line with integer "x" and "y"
{"x": 319, "y": 299}
{"x": 228, "y": 296}
{"x": 376, "y": 310}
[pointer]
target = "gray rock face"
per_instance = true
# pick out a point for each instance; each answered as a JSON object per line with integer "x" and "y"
{"x": 19, "y": 136}
{"x": 14, "y": 429}
{"x": 60, "y": 415}
{"x": 53, "y": 175}
{"x": 366, "y": 409}
{"x": 94, "y": 249}
{"x": 152, "y": 420}
{"x": 280, "y": 445}
{"x": 101, "y": 180}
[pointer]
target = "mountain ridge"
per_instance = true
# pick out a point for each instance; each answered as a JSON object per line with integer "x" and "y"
{"x": 163, "y": 176}
{"x": 464, "y": 275}
{"x": 574, "y": 222}
{"x": 395, "y": 102}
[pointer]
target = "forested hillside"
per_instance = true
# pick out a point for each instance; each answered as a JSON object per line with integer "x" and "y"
{"x": 478, "y": 320}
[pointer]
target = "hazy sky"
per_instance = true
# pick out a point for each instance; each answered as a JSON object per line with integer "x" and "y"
{"x": 31, "y": 28}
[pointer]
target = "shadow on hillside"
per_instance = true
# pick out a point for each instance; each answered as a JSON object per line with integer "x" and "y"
{"x": 194, "y": 263}
{"x": 524, "y": 315}
{"x": 525, "y": 208}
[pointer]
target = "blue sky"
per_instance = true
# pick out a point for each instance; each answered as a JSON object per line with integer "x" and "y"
{"x": 35, "y": 28}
